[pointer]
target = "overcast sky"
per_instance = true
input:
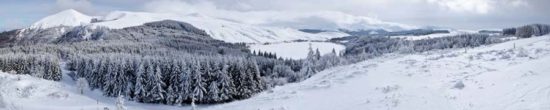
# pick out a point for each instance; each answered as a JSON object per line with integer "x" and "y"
{"x": 464, "y": 14}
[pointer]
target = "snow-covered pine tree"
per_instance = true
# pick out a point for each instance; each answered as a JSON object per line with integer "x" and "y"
{"x": 310, "y": 53}
{"x": 99, "y": 74}
{"x": 198, "y": 84}
{"x": 227, "y": 88}
{"x": 524, "y": 31}
{"x": 185, "y": 88}
{"x": 213, "y": 92}
{"x": 139, "y": 87}
{"x": 317, "y": 54}
{"x": 37, "y": 71}
{"x": 121, "y": 81}
{"x": 53, "y": 68}
{"x": 156, "y": 92}
{"x": 308, "y": 68}
{"x": 129, "y": 76}
{"x": 405, "y": 46}
{"x": 110, "y": 77}
{"x": 173, "y": 87}
{"x": 258, "y": 85}
{"x": 82, "y": 85}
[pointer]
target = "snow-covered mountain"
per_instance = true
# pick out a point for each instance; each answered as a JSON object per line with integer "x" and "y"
{"x": 229, "y": 29}
{"x": 68, "y": 17}
{"x": 220, "y": 29}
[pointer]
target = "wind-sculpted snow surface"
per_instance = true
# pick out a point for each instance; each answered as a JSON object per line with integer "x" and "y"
{"x": 506, "y": 76}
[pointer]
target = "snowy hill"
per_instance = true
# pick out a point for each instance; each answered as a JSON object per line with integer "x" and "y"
{"x": 495, "y": 77}
{"x": 24, "y": 92}
{"x": 64, "y": 18}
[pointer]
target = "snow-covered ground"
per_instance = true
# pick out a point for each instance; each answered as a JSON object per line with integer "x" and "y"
{"x": 24, "y": 92}
{"x": 297, "y": 50}
{"x": 495, "y": 77}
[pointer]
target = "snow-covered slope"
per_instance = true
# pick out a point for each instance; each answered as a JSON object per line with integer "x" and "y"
{"x": 64, "y": 18}
{"x": 496, "y": 77}
{"x": 217, "y": 28}
{"x": 24, "y": 92}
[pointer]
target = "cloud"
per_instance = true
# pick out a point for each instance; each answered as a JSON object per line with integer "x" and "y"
{"x": 179, "y": 6}
{"x": 518, "y": 3}
{"x": 416, "y": 12}
{"x": 247, "y": 12}
{"x": 448, "y": 13}
{"x": 81, "y": 5}
{"x": 477, "y": 6}
{"x": 474, "y": 6}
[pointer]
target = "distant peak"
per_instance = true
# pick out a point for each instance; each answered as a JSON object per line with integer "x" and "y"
{"x": 69, "y": 17}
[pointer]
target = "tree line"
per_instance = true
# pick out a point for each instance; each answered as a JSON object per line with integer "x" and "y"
{"x": 170, "y": 80}
{"x": 369, "y": 46}
{"x": 528, "y": 30}
{"x": 42, "y": 66}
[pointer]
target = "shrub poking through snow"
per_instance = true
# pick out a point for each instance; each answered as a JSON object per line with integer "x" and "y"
{"x": 459, "y": 85}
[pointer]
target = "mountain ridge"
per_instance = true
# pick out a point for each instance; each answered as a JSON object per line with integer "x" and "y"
{"x": 217, "y": 28}
{"x": 221, "y": 28}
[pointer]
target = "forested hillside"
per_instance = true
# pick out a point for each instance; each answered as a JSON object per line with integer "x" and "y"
{"x": 166, "y": 62}
{"x": 359, "y": 48}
